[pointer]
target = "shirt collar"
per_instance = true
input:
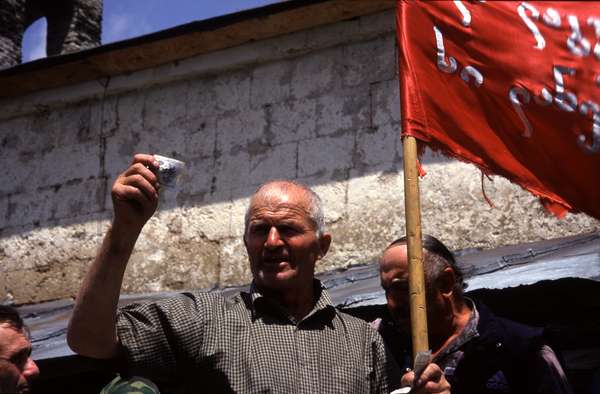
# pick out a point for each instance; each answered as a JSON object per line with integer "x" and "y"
{"x": 469, "y": 332}
{"x": 261, "y": 304}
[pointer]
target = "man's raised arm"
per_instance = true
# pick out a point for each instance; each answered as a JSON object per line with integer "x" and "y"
{"x": 92, "y": 328}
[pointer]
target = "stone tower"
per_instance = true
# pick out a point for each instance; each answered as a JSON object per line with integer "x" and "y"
{"x": 73, "y": 25}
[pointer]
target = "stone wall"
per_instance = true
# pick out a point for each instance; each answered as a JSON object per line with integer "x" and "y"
{"x": 73, "y": 25}
{"x": 319, "y": 106}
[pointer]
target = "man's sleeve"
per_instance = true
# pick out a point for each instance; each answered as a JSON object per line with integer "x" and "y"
{"x": 386, "y": 371}
{"x": 156, "y": 337}
{"x": 548, "y": 376}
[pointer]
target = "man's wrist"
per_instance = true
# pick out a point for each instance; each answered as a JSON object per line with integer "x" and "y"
{"x": 121, "y": 239}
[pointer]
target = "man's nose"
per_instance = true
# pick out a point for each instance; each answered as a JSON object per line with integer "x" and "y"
{"x": 31, "y": 370}
{"x": 273, "y": 238}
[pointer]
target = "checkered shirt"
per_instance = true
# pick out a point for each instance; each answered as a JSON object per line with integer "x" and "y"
{"x": 203, "y": 342}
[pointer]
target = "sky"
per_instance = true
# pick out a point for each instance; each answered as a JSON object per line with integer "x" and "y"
{"x": 124, "y": 19}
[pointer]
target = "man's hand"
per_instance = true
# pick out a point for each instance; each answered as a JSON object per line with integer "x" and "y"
{"x": 135, "y": 193}
{"x": 432, "y": 380}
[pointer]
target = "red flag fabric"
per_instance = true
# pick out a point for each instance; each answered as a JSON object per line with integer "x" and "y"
{"x": 513, "y": 87}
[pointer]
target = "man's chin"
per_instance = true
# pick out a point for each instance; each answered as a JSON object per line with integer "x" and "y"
{"x": 274, "y": 279}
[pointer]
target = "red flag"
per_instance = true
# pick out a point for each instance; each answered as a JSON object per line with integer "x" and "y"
{"x": 513, "y": 87}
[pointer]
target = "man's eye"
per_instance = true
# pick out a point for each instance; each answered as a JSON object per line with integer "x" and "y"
{"x": 20, "y": 359}
{"x": 398, "y": 287}
{"x": 287, "y": 230}
{"x": 259, "y": 229}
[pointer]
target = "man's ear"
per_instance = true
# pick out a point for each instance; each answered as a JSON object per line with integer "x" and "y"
{"x": 446, "y": 282}
{"x": 324, "y": 243}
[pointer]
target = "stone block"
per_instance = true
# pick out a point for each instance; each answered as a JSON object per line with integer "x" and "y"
{"x": 234, "y": 265}
{"x": 453, "y": 205}
{"x": 232, "y": 171}
{"x": 165, "y": 105}
{"x": 173, "y": 265}
{"x": 271, "y": 83}
{"x": 130, "y": 112}
{"x": 232, "y": 91}
{"x": 39, "y": 133}
{"x": 16, "y": 172}
{"x": 278, "y": 162}
{"x": 333, "y": 197}
{"x": 385, "y": 96}
{"x": 331, "y": 35}
{"x": 197, "y": 178}
{"x": 375, "y": 146}
{"x": 210, "y": 221}
{"x": 76, "y": 125}
{"x": 369, "y": 61}
{"x": 343, "y": 110}
{"x": 61, "y": 280}
{"x": 104, "y": 118}
{"x": 3, "y": 214}
{"x": 119, "y": 153}
{"x": 25, "y": 173}
{"x": 375, "y": 213}
{"x": 40, "y": 247}
{"x": 66, "y": 163}
{"x": 242, "y": 131}
{"x": 292, "y": 121}
{"x": 170, "y": 142}
{"x": 79, "y": 198}
{"x": 378, "y": 23}
{"x": 202, "y": 100}
{"x": 200, "y": 137}
{"x": 282, "y": 47}
{"x": 70, "y": 125}
{"x": 68, "y": 200}
{"x": 121, "y": 147}
{"x": 315, "y": 73}
{"x": 238, "y": 213}
{"x": 326, "y": 155}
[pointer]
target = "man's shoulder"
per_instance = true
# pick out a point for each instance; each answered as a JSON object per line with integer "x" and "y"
{"x": 356, "y": 323}
{"x": 188, "y": 301}
{"x": 520, "y": 336}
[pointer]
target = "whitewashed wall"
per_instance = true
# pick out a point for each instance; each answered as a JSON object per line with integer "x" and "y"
{"x": 319, "y": 106}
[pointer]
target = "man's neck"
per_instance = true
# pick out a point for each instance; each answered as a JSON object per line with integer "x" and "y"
{"x": 298, "y": 302}
{"x": 456, "y": 324}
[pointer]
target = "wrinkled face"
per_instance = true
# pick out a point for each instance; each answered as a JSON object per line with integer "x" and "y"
{"x": 394, "y": 280}
{"x": 282, "y": 242}
{"x": 17, "y": 369}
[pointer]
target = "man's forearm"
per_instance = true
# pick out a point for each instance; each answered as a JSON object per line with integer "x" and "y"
{"x": 92, "y": 329}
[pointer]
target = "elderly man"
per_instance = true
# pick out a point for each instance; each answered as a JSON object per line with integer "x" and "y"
{"x": 17, "y": 369}
{"x": 478, "y": 351}
{"x": 282, "y": 336}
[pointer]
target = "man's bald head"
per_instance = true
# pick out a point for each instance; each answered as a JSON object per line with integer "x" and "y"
{"x": 274, "y": 191}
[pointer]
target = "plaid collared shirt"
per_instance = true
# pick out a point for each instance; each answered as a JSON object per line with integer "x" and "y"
{"x": 203, "y": 342}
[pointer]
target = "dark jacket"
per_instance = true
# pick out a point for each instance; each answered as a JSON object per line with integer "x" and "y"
{"x": 497, "y": 360}
{"x": 494, "y": 362}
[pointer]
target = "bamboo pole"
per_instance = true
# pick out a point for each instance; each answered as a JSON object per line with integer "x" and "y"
{"x": 416, "y": 277}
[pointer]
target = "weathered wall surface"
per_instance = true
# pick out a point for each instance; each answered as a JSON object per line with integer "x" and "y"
{"x": 319, "y": 106}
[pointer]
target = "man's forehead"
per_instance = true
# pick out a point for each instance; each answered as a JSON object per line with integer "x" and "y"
{"x": 12, "y": 338}
{"x": 394, "y": 255}
{"x": 291, "y": 199}
{"x": 282, "y": 210}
